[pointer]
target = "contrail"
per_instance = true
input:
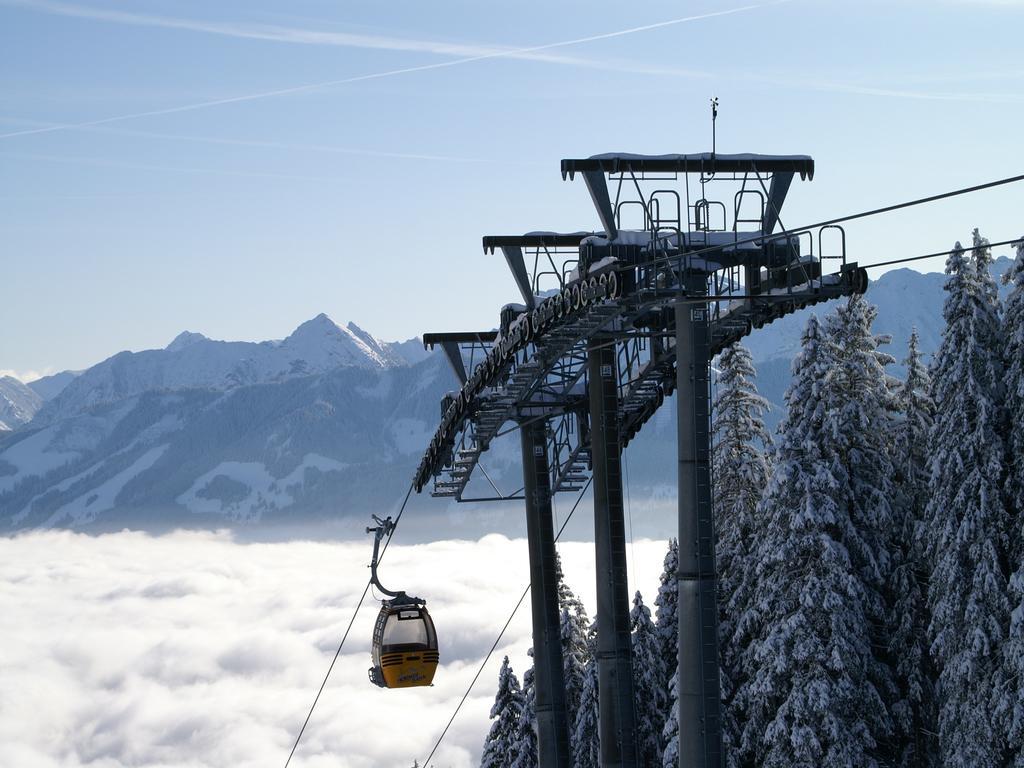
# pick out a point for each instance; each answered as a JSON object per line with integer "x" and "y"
{"x": 105, "y": 163}
{"x": 256, "y": 143}
{"x": 515, "y": 52}
{"x": 269, "y": 32}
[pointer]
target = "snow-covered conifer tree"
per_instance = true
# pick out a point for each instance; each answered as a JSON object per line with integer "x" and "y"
{"x": 670, "y": 731}
{"x": 1013, "y": 337}
{"x": 586, "y": 744}
{"x": 526, "y": 729}
{"x": 860, "y": 422}
{"x": 809, "y": 698}
{"x": 740, "y": 472}
{"x": 1013, "y": 654}
{"x": 500, "y": 745}
{"x": 576, "y": 643}
{"x": 913, "y": 706}
{"x": 666, "y": 609}
{"x": 917, "y": 413}
{"x": 648, "y": 683}
{"x": 967, "y": 522}
{"x": 667, "y": 627}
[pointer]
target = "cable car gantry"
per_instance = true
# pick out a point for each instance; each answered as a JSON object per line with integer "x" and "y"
{"x": 404, "y": 652}
{"x": 691, "y": 256}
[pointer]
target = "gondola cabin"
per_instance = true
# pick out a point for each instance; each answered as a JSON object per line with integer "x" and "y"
{"x": 404, "y": 647}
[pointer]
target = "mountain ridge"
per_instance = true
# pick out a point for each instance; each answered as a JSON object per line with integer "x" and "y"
{"x": 324, "y": 424}
{"x": 192, "y": 360}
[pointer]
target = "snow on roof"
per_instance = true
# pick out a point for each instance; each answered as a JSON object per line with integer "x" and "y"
{"x": 704, "y": 162}
{"x": 700, "y": 156}
{"x": 642, "y": 237}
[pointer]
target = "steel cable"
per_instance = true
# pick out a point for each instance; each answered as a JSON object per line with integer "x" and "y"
{"x": 501, "y": 634}
{"x": 344, "y": 637}
{"x": 1014, "y": 241}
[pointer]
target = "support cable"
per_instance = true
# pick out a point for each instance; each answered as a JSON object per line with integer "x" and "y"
{"x": 500, "y": 635}
{"x": 348, "y": 629}
{"x": 1014, "y": 241}
{"x": 842, "y": 219}
{"x": 629, "y": 515}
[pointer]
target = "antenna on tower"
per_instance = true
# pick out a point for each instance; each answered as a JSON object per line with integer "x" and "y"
{"x": 714, "y": 118}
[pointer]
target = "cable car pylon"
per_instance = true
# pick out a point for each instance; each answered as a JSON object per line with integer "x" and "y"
{"x": 612, "y": 322}
{"x": 404, "y": 652}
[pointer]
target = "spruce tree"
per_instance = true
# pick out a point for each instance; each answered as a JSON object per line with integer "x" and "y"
{"x": 1013, "y": 655}
{"x": 1013, "y": 336}
{"x": 500, "y": 745}
{"x": 526, "y": 729}
{"x": 574, "y": 627}
{"x": 917, "y": 414}
{"x": 860, "y": 423}
{"x": 648, "y": 683}
{"x": 810, "y": 698}
{"x": 740, "y": 472}
{"x": 670, "y": 731}
{"x": 913, "y": 706}
{"x": 586, "y": 745}
{"x": 967, "y": 522}
{"x": 666, "y": 609}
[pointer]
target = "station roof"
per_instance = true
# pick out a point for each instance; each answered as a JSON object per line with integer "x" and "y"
{"x": 703, "y": 162}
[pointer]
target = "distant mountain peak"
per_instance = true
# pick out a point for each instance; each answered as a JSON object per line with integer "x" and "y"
{"x": 185, "y": 339}
{"x": 318, "y": 327}
{"x": 18, "y": 403}
{"x": 193, "y": 361}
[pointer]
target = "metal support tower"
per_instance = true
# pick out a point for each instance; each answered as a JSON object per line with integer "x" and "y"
{"x": 617, "y": 720}
{"x": 699, "y": 698}
{"x": 709, "y": 266}
{"x": 552, "y": 721}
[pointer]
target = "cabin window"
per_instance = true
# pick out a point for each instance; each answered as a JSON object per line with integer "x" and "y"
{"x": 405, "y": 628}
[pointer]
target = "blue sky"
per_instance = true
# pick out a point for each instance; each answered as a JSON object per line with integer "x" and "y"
{"x": 169, "y": 165}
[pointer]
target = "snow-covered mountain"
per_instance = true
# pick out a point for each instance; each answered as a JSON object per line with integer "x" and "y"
{"x": 328, "y": 422}
{"x": 324, "y": 445}
{"x": 49, "y": 387}
{"x": 18, "y": 403}
{"x": 193, "y": 361}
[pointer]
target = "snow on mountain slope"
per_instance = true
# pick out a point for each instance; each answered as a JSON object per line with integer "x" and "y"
{"x": 49, "y": 387}
{"x": 193, "y": 361}
{"x": 18, "y": 403}
{"x": 320, "y": 445}
{"x": 242, "y": 490}
{"x": 36, "y": 455}
{"x": 87, "y": 507}
{"x": 326, "y": 423}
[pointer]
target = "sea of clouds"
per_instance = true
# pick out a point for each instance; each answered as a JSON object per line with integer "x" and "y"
{"x": 194, "y": 649}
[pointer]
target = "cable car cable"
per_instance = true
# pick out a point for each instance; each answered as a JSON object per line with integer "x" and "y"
{"x": 344, "y": 637}
{"x": 1014, "y": 241}
{"x": 841, "y": 219}
{"x": 629, "y": 511}
{"x": 500, "y": 635}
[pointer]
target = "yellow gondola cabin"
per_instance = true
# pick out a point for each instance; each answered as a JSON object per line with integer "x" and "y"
{"x": 404, "y": 641}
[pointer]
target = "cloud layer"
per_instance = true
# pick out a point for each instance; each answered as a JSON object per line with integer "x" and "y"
{"x": 193, "y": 650}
